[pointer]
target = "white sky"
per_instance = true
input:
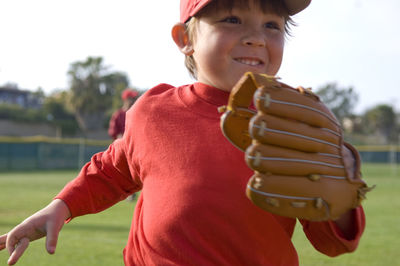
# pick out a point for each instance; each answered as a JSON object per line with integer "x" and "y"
{"x": 351, "y": 42}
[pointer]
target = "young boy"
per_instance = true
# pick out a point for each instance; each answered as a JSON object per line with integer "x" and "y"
{"x": 192, "y": 209}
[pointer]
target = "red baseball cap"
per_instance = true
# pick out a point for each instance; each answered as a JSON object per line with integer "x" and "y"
{"x": 189, "y": 8}
{"x": 129, "y": 93}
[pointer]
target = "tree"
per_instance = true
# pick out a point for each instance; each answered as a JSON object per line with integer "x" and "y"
{"x": 381, "y": 121}
{"x": 92, "y": 87}
{"x": 340, "y": 101}
{"x": 11, "y": 85}
{"x": 57, "y": 114}
{"x": 39, "y": 94}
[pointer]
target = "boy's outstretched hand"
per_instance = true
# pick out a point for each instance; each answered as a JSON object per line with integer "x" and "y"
{"x": 46, "y": 222}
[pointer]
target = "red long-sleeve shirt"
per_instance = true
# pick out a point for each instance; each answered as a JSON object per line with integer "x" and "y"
{"x": 192, "y": 209}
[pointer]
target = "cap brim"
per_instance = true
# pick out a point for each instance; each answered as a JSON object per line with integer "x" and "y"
{"x": 295, "y": 6}
{"x": 190, "y": 9}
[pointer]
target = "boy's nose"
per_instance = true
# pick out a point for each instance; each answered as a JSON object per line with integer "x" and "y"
{"x": 254, "y": 39}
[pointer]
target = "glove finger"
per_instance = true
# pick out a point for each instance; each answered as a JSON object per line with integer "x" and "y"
{"x": 303, "y": 186}
{"x": 301, "y": 197}
{"x": 283, "y": 161}
{"x": 292, "y": 134}
{"x": 291, "y": 104}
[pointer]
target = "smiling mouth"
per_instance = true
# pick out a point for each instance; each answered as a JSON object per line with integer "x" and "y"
{"x": 249, "y": 62}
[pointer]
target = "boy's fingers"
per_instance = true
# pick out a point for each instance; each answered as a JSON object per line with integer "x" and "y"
{"x": 18, "y": 250}
{"x": 3, "y": 240}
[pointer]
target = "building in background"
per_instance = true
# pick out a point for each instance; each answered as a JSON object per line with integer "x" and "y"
{"x": 24, "y": 98}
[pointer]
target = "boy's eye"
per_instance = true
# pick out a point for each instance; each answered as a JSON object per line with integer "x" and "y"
{"x": 273, "y": 25}
{"x": 232, "y": 19}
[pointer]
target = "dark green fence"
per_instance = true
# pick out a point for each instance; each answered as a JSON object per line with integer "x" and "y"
{"x": 46, "y": 153}
{"x": 49, "y": 153}
{"x": 380, "y": 154}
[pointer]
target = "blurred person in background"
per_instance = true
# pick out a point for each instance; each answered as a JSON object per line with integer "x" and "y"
{"x": 117, "y": 122}
{"x": 116, "y": 126}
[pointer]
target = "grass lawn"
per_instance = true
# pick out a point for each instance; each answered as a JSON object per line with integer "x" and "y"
{"x": 99, "y": 239}
{"x": 88, "y": 240}
{"x": 380, "y": 243}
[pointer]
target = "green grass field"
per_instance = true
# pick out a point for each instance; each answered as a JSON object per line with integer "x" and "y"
{"x": 99, "y": 239}
{"x": 381, "y": 240}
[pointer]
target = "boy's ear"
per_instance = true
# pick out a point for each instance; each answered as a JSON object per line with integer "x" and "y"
{"x": 181, "y": 38}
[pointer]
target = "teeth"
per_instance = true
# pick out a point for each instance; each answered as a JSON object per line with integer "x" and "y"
{"x": 249, "y": 62}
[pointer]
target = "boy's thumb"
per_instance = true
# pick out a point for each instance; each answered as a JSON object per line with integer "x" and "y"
{"x": 51, "y": 245}
{"x": 52, "y": 238}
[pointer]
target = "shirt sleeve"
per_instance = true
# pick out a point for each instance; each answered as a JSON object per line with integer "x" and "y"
{"x": 327, "y": 238}
{"x": 101, "y": 183}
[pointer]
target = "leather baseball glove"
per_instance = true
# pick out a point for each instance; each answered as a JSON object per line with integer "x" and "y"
{"x": 293, "y": 142}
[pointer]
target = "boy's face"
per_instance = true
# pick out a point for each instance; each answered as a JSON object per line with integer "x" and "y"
{"x": 229, "y": 43}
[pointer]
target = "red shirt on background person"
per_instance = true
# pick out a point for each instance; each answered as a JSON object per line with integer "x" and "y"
{"x": 117, "y": 122}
